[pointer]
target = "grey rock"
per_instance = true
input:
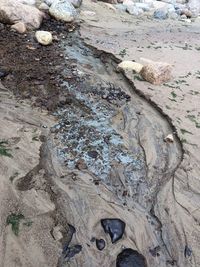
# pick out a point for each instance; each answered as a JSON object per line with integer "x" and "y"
{"x": 160, "y": 14}
{"x": 114, "y": 227}
{"x": 100, "y": 243}
{"x": 62, "y": 10}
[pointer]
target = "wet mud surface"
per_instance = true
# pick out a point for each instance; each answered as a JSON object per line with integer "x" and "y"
{"x": 29, "y": 69}
{"x": 108, "y": 141}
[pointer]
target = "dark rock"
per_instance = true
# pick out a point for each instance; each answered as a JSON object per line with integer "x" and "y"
{"x": 3, "y": 73}
{"x": 68, "y": 236}
{"x": 114, "y": 227}
{"x": 100, "y": 243}
{"x": 93, "y": 154}
{"x": 130, "y": 258}
{"x": 155, "y": 251}
{"x": 187, "y": 252}
{"x": 93, "y": 239}
{"x": 70, "y": 252}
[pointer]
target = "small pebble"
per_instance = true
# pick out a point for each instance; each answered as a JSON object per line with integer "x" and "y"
{"x": 100, "y": 243}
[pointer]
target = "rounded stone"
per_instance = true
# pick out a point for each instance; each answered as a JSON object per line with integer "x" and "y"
{"x": 44, "y": 37}
{"x": 130, "y": 258}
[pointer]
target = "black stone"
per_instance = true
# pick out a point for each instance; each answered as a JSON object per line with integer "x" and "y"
{"x": 114, "y": 227}
{"x": 70, "y": 252}
{"x": 130, "y": 258}
{"x": 93, "y": 239}
{"x": 100, "y": 243}
{"x": 187, "y": 252}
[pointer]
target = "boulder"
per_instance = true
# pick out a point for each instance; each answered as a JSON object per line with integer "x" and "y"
{"x": 62, "y": 10}
{"x": 12, "y": 11}
{"x": 44, "y": 37}
{"x": 129, "y": 66}
{"x": 156, "y": 72}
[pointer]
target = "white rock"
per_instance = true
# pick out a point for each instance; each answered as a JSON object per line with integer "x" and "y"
{"x": 44, "y": 37}
{"x": 12, "y": 11}
{"x": 63, "y": 10}
{"x": 169, "y": 138}
{"x": 129, "y": 66}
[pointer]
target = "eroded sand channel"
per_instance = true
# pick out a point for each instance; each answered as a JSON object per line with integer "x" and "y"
{"x": 116, "y": 140}
{"x": 105, "y": 157}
